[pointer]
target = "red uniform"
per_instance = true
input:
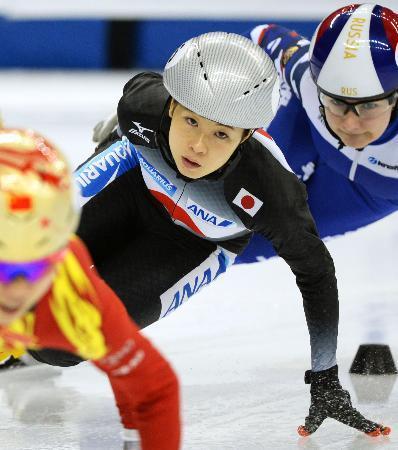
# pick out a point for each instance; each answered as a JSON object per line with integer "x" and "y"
{"x": 82, "y": 315}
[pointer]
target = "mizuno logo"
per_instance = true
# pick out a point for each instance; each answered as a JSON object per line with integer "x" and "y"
{"x": 139, "y": 131}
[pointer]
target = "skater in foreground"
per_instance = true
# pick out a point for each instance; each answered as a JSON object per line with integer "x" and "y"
{"x": 51, "y": 297}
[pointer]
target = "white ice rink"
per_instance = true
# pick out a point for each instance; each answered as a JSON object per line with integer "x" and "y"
{"x": 240, "y": 346}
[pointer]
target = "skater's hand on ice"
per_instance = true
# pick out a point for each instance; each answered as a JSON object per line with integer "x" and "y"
{"x": 329, "y": 399}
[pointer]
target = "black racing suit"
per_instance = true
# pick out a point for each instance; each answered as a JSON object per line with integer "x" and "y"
{"x": 157, "y": 237}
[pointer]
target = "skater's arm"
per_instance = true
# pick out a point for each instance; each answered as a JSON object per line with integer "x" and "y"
{"x": 106, "y": 181}
{"x": 283, "y": 217}
{"x": 145, "y": 386}
{"x": 293, "y": 234}
{"x": 286, "y": 48}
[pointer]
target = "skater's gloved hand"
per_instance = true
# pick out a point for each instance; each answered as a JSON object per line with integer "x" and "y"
{"x": 329, "y": 399}
{"x": 103, "y": 128}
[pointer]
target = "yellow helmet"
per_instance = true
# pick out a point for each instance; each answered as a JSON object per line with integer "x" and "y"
{"x": 38, "y": 205}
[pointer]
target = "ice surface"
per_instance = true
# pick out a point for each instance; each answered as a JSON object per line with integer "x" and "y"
{"x": 240, "y": 346}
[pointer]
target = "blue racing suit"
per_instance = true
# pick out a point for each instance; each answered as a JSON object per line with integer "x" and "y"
{"x": 347, "y": 188}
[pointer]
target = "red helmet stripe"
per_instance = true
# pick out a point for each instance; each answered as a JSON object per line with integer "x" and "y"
{"x": 390, "y": 23}
{"x": 327, "y": 23}
{"x": 27, "y": 161}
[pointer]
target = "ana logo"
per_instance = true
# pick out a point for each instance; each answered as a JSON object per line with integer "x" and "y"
{"x": 139, "y": 131}
{"x": 373, "y": 160}
{"x": 160, "y": 179}
{"x": 248, "y": 202}
{"x": 206, "y": 215}
{"x": 193, "y": 282}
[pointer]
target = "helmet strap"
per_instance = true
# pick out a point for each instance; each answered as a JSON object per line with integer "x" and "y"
{"x": 323, "y": 115}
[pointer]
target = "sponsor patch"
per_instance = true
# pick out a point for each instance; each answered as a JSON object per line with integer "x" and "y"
{"x": 196, "y": 210}
{"x": 160, "y": 179}
{"x": 97, "y": 173}
{"x": 194, "y": 281}
{"x": 377, "y": 162}
{"x": 139, "y": 131}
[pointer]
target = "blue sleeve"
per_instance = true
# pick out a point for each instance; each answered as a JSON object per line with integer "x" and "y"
{"x": 105, "y": 167}
{"x": 286, "y": 48}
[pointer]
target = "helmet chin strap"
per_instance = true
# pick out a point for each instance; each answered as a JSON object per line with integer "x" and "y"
{"x": 322, "y": 111}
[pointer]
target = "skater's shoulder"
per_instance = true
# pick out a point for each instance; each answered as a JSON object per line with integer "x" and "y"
{"x": 262, "y": 156}
{"x": 144, "y": 94}
{"x": 141, "y": 108}
{"x": 263, "y": 174}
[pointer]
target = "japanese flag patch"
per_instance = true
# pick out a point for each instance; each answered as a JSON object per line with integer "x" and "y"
{"x": 248, "y": 202}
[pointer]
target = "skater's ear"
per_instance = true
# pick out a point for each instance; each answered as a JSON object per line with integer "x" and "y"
{"x": 172, "y": 107}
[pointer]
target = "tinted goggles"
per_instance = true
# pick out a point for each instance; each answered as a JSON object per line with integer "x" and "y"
{"x": 32, "y": 271}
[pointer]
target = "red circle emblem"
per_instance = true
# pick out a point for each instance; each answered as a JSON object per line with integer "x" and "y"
{"x": 247, "y": 202}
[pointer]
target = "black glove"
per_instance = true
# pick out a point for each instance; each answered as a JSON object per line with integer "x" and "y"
{"x": 329, "y": 399}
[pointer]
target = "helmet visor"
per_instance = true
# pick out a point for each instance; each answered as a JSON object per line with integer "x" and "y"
{"x": 365, "y": 109}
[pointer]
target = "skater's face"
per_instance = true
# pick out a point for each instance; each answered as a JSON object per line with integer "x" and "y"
{"x": 20, "y": 294}
{"x": 355, "y": 130}
{"x": 200, "y": 146}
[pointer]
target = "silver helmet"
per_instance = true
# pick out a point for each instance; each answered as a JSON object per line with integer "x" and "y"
{"x": 226, "y": 78}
